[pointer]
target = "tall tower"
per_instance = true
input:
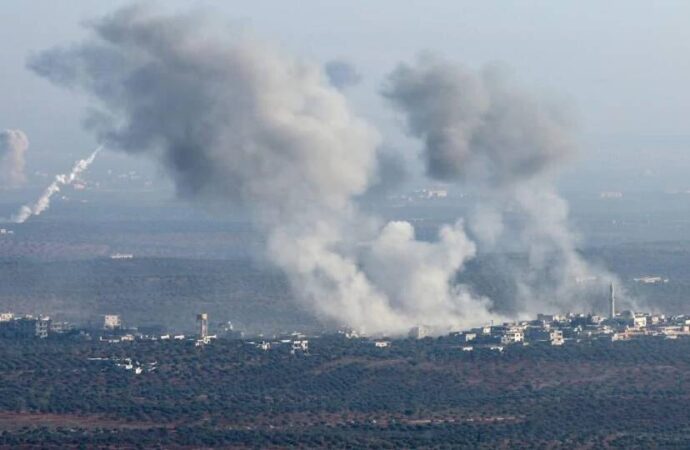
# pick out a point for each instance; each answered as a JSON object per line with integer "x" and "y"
{"x": 202, "y": 320}
{"x": 612, "y": 300}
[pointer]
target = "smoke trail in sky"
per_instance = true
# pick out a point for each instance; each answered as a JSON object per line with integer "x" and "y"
{"x": 61, "y": 180}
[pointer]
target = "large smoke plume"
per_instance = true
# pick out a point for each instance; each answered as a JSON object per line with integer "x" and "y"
{"x": 234, "y": 120}
{"x": 13, "y": 145}
{"x": 502, "y": 143}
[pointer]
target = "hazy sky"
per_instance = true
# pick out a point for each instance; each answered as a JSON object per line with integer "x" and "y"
{"x": 622, "y": 65}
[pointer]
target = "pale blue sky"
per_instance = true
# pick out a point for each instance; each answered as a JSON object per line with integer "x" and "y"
{"x": 623, "y": 65}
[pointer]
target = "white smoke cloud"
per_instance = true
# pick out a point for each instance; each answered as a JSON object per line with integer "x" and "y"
{"x": 43, "y": 202}
{"x": 13, "y": 145}
{"x": 480, "y": 130}
{"x": 235, "y": 121}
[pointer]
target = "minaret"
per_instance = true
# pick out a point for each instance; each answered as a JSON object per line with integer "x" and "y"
{"x": 612, "y": 300}
{"x": 202, "y": 320}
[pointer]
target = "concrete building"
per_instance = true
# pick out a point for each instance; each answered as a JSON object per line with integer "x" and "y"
{"x": 513, "y": 336}
{"x": 467, "y": 337}
{"x": 25, "y": 327}
{"x": 300, "y": 345}
{"x": 556, "y": 337}
{"x": 546, "y": 318}
{"x": 60, "y": 327}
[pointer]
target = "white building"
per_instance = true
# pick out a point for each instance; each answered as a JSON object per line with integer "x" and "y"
{"x": 121, "y": 256}
{"x": 467, "y": 337}
{"x": 650, "y": 280}
{"x": 300, "y": 345}
{"x": 556, "y": 337}
{"x": 513, "y": 336}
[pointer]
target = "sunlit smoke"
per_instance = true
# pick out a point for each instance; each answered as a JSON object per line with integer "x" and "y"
{"x": 501, "y": 143}
{"x": 13, "y": 145}
{"x": 234, "y": 120}
{"x": 43, "y": 202}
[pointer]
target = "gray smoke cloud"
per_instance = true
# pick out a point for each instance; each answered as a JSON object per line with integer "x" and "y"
{"x": 478, "y": 127}
{"x": 342, "y": 74}
{"x": 503, "y": 143}
{"x": 391, "y": 173}
{"x": 233, "y": 120}
{"x": 13, "y": 145}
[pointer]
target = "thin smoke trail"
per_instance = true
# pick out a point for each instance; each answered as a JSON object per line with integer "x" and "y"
{"x": 64, "y": 179}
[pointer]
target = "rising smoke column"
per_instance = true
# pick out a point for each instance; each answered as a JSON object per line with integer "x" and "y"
{"x": 43, "y": 201}
{"x": 237, "y": 123}
{"x": 502, "y": 143}
{"x": 13, "y": 145}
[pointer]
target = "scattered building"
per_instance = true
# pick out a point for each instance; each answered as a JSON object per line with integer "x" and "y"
{"x": 610, "y": 194}
{"x": 556, "y": 337}
{"x": 121, "y": 256}
{"x": 24, "y": 327}
{"x": 432, "y": 193}
{"x": 300, "y": 346}
{"x": 57, "y": 327}
{"x": 513, "y": 335}
{"x": 467, "y": 337}
{"x": 650, "y": 280}
{"x": 639, "y": 321}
